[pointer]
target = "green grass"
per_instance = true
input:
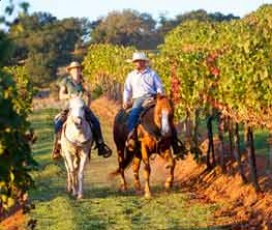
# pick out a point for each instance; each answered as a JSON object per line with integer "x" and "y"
{"x": 103, "y": 207}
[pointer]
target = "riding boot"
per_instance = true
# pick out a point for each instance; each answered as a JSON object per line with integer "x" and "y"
{"x": 179, "y": 148}
{"x": 56, "y": 148}
{"x": 131, "y": 140}
{"x": 102, "y": 148}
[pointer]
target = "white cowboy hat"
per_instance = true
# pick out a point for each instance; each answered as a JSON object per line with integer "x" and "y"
{"x": 73, "y": 65}
{"x": 138, "y": 56}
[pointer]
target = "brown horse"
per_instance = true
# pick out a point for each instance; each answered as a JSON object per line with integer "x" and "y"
{"x": 154, "y": 134}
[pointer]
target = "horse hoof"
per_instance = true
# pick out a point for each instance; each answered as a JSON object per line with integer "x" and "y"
{"x": 74, "y": 194}
{"x": 138, "y": 192}
{"x": 79, "y": 197}
{"x": 123, "y": 189}
{"x": 147, "y": 196}
{"x": 168, "y": 185}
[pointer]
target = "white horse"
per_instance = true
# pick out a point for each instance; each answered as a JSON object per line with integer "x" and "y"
{"x": 76, "y": 142}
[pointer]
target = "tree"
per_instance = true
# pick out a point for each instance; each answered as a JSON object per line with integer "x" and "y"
{"x": 199, "y": 15}
{"x": 44, "y": 43}
{"x": 127, "y": 28}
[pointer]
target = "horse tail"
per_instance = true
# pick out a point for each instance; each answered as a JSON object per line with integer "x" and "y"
{"x": 128, "y": 156}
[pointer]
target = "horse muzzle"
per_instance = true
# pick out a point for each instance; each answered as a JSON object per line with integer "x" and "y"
{"x": 78, "y": 122}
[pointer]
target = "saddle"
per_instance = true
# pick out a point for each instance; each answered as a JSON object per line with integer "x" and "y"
{"x": 146, "y": 121}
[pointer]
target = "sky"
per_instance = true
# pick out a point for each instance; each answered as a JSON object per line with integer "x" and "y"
{"x": 94, "y": 10}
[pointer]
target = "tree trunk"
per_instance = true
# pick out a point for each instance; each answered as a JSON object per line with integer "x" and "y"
{"x": 221, "y": 142}
{"x": 211, "y": 144}
{"x": 251, "y": 157}
{"x": 230, "y": 129}
{"x": 195, "y": 149}
{"x": 188, "y": 129}
{"x": 237, "y": 152}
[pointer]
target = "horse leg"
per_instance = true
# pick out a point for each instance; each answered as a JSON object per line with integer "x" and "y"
{"x": 71, "y": 173}
{"x": 69, "y": 179}
{"x": 135, "y": 167}
{"x": 123, "y": 186}
{"x": 171, "y": 163}
{"x": 83, "y": 160}
{"x": 147, "y": 171}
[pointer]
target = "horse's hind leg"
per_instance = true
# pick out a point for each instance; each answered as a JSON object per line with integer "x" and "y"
{"x": 136, "y": 168}
{"x": 171, "y": 163}
{"x": 123, "y": 186}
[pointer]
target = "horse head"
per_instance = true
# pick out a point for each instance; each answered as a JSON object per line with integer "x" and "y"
{"x": 77, "y": 129}
{"x": 77, "y": 111}
{"x": 163, "y": 115}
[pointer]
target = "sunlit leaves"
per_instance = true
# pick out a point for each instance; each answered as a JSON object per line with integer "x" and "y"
{"x": 229, "y": 63}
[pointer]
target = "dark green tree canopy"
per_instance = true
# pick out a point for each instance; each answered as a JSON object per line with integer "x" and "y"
{"x": 44, "y": 43}
{"x": 127, "y": 28}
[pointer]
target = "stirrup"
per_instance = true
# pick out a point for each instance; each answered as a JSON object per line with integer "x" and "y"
{"x": 104, "y": 150}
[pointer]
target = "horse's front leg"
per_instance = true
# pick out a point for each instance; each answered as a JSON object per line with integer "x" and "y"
{"x": 147, "y": 170}
{"x": 171, "y": 163}
{"x": 69, "y": 178}
{"x": 136, "y": 168}
{"x": 82, "y": 163}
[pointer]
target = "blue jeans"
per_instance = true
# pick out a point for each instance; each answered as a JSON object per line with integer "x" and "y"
{"x": 134, "y": 114}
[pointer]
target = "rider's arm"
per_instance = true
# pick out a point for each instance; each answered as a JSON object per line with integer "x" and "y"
{"x": 87, "y": 94}
{"x": 63, "y": 95}
{"x": 127, "y": 93}
{"x": 158, "y": 83}
{"x": 89, "y": 99}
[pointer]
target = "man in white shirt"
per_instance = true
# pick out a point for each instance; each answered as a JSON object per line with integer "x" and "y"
{"x": 141, "y": 84}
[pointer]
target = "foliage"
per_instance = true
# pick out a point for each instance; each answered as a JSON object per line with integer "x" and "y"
{"x": 15, "y": 154}
{"x": 24, "y": 87}
{"x": 126, "y": 28}
{"x": 106, "y": 66}
{"x": 227, "y": 65}
{"x": 44, "y": 43}
{"x": 198, "y": 15}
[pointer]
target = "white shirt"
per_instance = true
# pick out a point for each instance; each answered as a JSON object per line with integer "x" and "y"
{"x": 143, "y": 83}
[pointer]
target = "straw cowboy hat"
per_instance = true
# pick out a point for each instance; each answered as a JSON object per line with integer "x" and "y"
{"x": 73, "y": 65}
{"x": 138, "y": 56}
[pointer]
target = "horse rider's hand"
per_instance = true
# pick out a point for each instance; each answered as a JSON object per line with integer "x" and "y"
{"x": 125, "y": 106}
